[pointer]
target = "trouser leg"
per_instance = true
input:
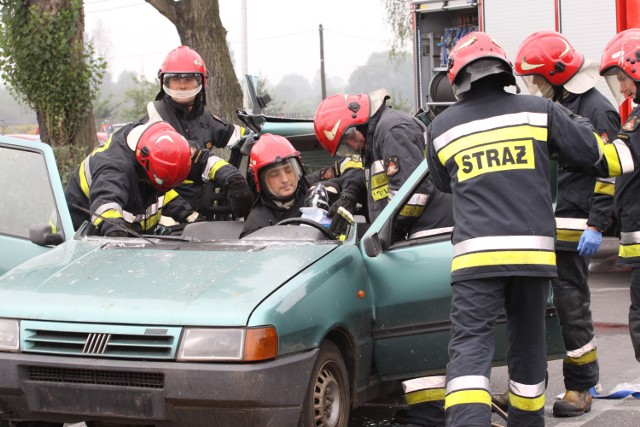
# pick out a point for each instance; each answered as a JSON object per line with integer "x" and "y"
{"x": 425, "y": 397}
{"x": 572, "y": 300}
{"x": 525, "y": 306}
{"x": 475, "y": 306}
{"x": 634, "y": 311}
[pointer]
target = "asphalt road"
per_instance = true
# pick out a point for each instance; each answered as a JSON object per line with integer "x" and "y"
{"x": 610, "y": 307}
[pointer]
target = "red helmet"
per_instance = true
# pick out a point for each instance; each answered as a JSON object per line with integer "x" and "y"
{"x": 272, "y": 151}
{"x": 183, "y": 61}
{"x": 470, "y": 49}
{"x": 165, "y": 156}
{"x": 550, "y": 55}
{"x": 336, "y": 115}
{"x": 623, "y": 52}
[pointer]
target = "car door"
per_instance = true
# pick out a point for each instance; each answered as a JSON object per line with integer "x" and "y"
{"x": 32, "y": 195}
{"x": 411, "y": 291}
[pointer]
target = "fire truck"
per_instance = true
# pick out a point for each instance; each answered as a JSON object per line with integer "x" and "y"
{"x": 438, "y": 24}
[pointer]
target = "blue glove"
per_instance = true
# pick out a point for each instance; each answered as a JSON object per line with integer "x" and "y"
{"x": 589, "y": 242}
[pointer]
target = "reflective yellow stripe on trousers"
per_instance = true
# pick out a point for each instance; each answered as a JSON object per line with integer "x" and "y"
{"x": 467, "y": 389}
{"x": 526, "y": 397}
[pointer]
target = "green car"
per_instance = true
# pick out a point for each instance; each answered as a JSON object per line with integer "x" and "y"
{"x": 285, "y": 327}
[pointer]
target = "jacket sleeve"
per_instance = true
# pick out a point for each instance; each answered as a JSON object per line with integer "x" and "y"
{"x": 437, "y": 170}
{"x": 402, "y": 152}
{"x": 209, "y": 167}
{"x": 223, "y": 133}
{"x": 583, "y": 148}
{"x": 352, "y": 183}
{"x": 176, "y": 207}
{"x": 606, "y": 123}
{"x": 108, "y": 193}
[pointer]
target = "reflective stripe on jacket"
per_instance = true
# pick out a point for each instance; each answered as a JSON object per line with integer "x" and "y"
{"x": 491, "y": 149}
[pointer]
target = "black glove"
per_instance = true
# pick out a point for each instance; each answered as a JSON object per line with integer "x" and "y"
{"x": 239, "y": 195}
{"x": 341, "y": 219}
{"x": 110, "y": 229}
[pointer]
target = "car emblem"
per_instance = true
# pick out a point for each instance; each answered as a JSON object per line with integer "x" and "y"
{"x": 96, "y": 343}
{"x": 332, "y": 133}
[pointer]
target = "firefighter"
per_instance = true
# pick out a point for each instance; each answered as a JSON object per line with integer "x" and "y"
{"x": 392, "y": 145}
{"x": 343, "y": 179}
{"x": 491, "y": 150}
{"x": 280, "y": 179}
{"x": 549, "y": 64}
{"x": 619, "y": 66}
{"x": 181, "y": 102}
{"x": 130, "y": 181}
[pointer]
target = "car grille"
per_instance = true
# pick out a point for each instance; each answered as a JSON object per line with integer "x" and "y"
{"x": 113, "y": 341}
{"x": 100, "y": 377}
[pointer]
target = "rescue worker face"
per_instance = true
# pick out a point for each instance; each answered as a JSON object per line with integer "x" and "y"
{"x": 352, "y": 143}
{"x": 183, "y": 88}
{"x": 621, "y": 85}
{"x": 627, "y": 85}
{"x": 281, "y": 180}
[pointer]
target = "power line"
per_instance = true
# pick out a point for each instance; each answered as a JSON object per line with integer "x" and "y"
{"x": 91, "y": 12}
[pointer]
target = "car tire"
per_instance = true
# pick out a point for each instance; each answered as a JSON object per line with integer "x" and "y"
{"x": 328, "y": 399}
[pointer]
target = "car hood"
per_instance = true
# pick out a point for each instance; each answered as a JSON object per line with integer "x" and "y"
{"x": 166, "y": 284}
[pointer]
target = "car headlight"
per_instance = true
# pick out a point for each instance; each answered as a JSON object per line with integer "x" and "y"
{"x": 228, "y": 344}
{"x": 9, "y": 335}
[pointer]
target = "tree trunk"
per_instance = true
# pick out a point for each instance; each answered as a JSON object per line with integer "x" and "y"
{"x": 199, "y": 27}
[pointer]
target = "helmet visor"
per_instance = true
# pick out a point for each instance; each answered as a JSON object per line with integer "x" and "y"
{"x": 196, "y": 78}
{"x": 351, "y": 144}
{"x": 616, "y": 78}
{"x": 280, "y": 180}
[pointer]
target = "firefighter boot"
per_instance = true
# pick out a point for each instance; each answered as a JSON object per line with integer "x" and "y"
{"x": 501, "y": 400}
{"x": 573, "y": 404}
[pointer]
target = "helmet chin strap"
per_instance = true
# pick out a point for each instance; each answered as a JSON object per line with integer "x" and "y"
{"x": 182, "y": 94}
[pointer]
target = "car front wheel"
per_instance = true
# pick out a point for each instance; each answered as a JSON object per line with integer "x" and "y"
{"x": 328, "y": 401}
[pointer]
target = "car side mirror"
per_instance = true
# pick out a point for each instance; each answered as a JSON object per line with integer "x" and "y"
{"x": 43, "y": 235}
{"x": 372, "y": 246}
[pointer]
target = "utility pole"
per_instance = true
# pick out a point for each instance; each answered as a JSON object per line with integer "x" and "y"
{"x": 322, "y": 79}
{"x": 245, "y": 58}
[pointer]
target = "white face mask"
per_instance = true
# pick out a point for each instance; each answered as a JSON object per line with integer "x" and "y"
{"x": 182, "y": 94}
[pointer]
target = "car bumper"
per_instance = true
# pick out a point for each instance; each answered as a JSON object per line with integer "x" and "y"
{"x": 65, "y": 389}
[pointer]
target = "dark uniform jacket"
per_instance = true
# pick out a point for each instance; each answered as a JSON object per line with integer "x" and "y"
{"x": 492, "y": 149}
{"x": 395, "y": 147}
{"x": 584, "y": 200}
{"x": 265, "y": 212}
{"x": 111, "y": 183}
{"x": 203, "y": 130}
{"x": 627, "y": 196}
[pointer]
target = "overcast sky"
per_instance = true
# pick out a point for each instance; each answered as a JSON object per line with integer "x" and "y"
{"x": 282, "y": 35}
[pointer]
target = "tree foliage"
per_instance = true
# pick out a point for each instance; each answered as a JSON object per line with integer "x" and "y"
{"x": 139, "y": 96}
{"x": 399, "y": 18}
{"x": 44, "y": 61}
